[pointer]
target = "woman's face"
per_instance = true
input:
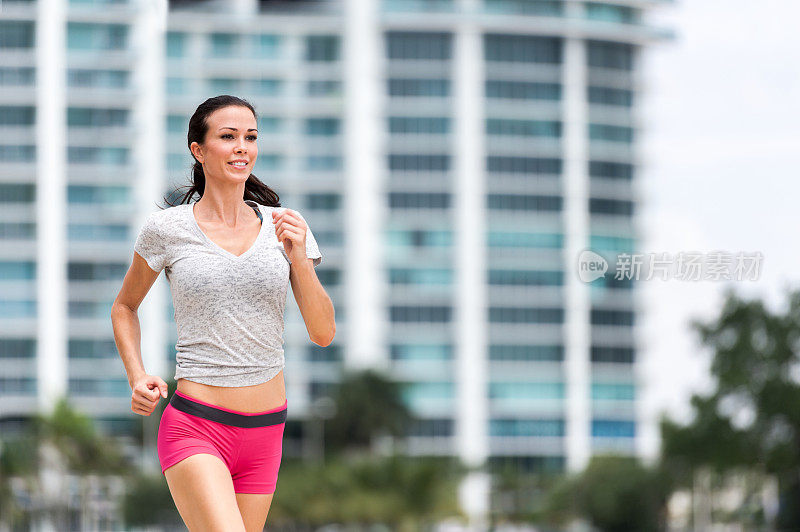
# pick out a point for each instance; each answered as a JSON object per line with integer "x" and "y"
{"x": 229, "y": 150}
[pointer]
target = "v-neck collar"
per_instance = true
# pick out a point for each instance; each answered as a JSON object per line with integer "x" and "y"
{"x": 217, "y": 247}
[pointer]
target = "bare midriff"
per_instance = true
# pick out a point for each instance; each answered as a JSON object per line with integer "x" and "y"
{"x": 257, "y": 398}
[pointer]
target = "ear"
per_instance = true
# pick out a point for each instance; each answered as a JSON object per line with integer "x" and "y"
{"x": 197, "y": 151}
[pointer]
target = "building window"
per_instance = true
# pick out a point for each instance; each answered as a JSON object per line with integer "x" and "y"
{"x": 524, "y": 202}
{"x": 529, "y": 277}
{"x": 97, "y": 232}
{"x": 93, "y": 117}
{"x": 431, "y": 428}
{"x": 79, "y": 77}
{"x": 527, "y": 353}
{"x": 419, "y": 238}
{"x": 17, "y": 115}
{"x": 402, "y": 87}
{"x": 522, "y": 49}
{"x": 17, "y": 76}
{"x": 17, "y": 308}
{"x": 324, "y": 202}
{"x": 611, "y": 133}
{"x": 16, "y": 34}
{"x": 95, "y": 155}
{"x": 611, "y": 13}
{"x": 420, "y": 314}
{"x": 223, "y": 44}
{"x": 322, "y": 48}
{"x": 17, "y": 230}
{"x": 603, "y": 54}
{"x": 604, "y": 428}
{"x": 331, "y": 353}
{"x": 419, "y": 46}
{"x": 91, "y": 348}
{"x": 523, "y": 165}
{"x": 17, "y": 154}
{"x": 18, "y": 385}
{"x": 17, "y": 270}
{"x": 610, "y": 206}
{"x": 609, "y": 96}
{"x": 526, "y": 390}
{"x": 421, "y": 276}
{"x": 553, "y": 428}
{"x": 523, "y": 128}
{"x": 266, "y": 46}
{"x": 613, "y": 391}
{"x": 613, "y": 355}
{"x": 419, "y": 162}
{"x": 325, "y": 127}
{"x": 612, "y": 317}
{"x": 17, "y": 193}
{"x": 421, "y": 351}
{"x": 176, "y": 44}
{"x": 98, "y": 194}
{"x": 526, "y": 315}
{"x": 611, "y": 170}
{"x": 515, "y": 239}
{"x": 96, "y": 271}
{"x": 323, "y": 87}
{"x": 522, "y": 90}
{"x": 88, "y": 36}
{"x": 419, "y": 200}
{"x": 323, "y": 162}
{"x": 551, "y": 8}
{"x": 17, "y": 348}
{"x": 428, "y": 125}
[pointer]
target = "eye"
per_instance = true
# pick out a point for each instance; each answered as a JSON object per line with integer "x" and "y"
{"x": 252, "y": 137}
{"x": 226, "y": 135}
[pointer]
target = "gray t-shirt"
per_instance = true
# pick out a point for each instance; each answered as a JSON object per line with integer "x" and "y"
{"x": 228, "y": 309}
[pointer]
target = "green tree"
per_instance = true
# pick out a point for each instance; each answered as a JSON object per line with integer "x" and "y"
{"x": 367, "y": 405}
{"x": 615, "y": 493}
{"x": 751, "y": 420}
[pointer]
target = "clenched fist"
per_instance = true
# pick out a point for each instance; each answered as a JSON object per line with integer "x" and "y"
{"x": 146, "y": 392}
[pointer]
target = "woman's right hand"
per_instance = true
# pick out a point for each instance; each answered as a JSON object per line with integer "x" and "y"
{"x": 146, "y": 392}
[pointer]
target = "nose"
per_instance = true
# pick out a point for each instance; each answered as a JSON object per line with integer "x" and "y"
{"x": 241, "y": 148}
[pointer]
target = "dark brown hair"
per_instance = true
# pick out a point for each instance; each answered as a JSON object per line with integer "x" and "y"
{"x": 254, "y": 189}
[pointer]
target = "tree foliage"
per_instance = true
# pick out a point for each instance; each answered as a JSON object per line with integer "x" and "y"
{"x": 752, "y": 417}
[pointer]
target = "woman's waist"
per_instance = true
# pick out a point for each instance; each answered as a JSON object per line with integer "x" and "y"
{"x": 255, "y": 398}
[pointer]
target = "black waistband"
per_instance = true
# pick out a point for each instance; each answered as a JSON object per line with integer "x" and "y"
{"x": 228, "y": 418}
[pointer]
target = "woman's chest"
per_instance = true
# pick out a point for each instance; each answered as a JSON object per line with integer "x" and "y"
{"x": 200, "y": 271}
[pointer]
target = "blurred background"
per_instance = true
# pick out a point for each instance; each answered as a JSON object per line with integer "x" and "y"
{"x": 453, "y": 158}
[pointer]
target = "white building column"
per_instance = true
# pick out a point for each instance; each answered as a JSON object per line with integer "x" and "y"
{"x": 51, "y": 203}
{"x": 148, "y": 35}
{"x": 577, "y": 329}
{"x": 472, "y": 440}
{"x": 364, "y": 175}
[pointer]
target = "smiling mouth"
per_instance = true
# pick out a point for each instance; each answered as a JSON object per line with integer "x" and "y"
{"x": 238, "y": 166}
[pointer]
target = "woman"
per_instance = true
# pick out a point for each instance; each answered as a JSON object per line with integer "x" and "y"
{"x": 220, "y": 436}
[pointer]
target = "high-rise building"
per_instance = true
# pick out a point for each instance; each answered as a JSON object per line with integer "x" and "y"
{"x": 453, "y": 157}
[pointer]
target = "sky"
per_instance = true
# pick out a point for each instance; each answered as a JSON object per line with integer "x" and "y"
{"x": 720, "y": 141}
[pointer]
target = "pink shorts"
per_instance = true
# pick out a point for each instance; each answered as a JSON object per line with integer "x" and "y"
{"x": 250, "y": 444}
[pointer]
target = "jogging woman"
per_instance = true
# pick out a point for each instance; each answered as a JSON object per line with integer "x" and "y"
{"x": 229, "y": 258}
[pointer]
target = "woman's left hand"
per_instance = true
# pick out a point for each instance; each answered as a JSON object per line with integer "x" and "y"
{"x": 290, "y": 228}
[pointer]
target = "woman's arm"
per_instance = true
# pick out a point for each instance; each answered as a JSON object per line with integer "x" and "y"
{"x": 315, "y": 304}
{"x": 125, "y": 320}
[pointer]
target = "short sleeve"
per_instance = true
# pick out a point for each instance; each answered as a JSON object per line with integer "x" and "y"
{"x": 150, "y": 244}
{"x": 312, "y": 249}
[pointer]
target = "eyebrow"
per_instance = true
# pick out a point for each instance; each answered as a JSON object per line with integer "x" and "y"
{"x": 233, "y": 128}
